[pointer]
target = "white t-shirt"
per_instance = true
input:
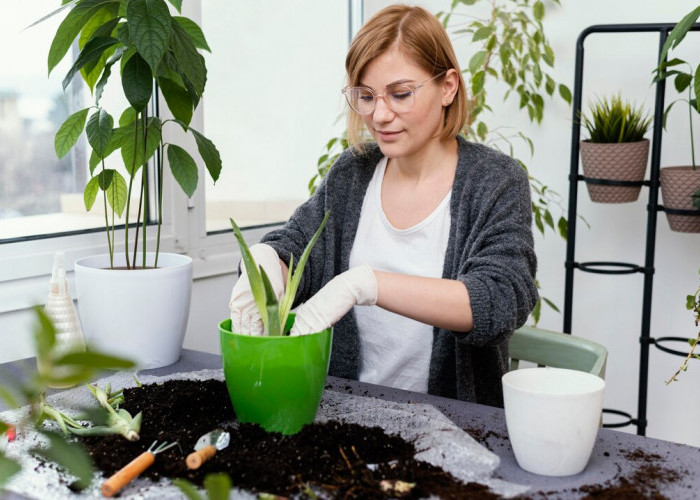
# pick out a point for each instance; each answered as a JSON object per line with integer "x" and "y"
{"x": 396, "y": 350}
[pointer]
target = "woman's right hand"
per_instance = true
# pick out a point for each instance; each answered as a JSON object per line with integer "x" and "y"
{"x": 245, "y": 317}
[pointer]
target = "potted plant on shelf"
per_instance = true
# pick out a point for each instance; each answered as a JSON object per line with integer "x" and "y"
{"x": 616, "y": 150}
{"x": 680, "y": 185}
{"x": 275, "y": 380}
{"x": 134, "y": 302}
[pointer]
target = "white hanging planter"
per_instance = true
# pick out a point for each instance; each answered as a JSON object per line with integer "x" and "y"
{"x": 137, "y": 314}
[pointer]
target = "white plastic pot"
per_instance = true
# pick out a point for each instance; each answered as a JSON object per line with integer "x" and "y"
{"x": 553, "y": 416}
{"x": 137, "y": 314}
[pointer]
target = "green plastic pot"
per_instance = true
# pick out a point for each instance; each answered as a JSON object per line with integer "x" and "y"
{"x": 276, "y": 382}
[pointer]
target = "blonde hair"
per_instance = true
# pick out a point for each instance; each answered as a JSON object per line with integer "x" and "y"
{"x": 419, "y": 35}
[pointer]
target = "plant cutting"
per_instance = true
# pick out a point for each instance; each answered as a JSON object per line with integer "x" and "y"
{"x": 275, "y": 380}
{"x": 680, "y": 185}
{"x": 143, "y": 46}
{"x": 614, "y": 157}
{"x": 59, "y": 367}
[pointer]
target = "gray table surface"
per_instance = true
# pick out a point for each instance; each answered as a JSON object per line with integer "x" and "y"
{"x": 616, "y": 456}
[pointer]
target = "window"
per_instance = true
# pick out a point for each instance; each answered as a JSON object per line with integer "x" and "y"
{"x": 41, "y": 194}
{"x": 272, "y": 102}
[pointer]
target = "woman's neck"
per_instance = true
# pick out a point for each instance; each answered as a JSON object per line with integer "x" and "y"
{"x": 439, "y": 159}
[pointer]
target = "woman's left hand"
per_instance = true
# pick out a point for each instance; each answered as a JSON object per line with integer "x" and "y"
{"x": 356, "y": 286}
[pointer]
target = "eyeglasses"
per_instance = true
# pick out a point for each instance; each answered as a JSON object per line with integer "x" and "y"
{"x": 399, "y": 97}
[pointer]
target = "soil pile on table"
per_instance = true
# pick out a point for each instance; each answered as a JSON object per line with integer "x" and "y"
{"x": 342, "y": 460}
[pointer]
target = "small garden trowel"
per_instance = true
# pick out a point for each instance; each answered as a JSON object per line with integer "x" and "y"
{"x": 206, "y": 447}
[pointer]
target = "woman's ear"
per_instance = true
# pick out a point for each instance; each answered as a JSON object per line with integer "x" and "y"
{"x": 450, "y": 84}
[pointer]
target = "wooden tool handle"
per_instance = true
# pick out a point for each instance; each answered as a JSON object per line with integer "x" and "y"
{"x": 121, "y": 478}
{"x": 197, "y": 458}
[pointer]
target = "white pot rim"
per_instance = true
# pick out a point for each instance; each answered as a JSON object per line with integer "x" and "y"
{"x": 100, "y": 262}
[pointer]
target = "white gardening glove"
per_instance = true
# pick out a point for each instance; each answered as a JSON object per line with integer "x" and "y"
{"x": 245, "y": 317}
{"x": 356, "y": 286}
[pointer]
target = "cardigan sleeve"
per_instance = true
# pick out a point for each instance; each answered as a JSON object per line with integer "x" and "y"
{"x": 497, "y": 262}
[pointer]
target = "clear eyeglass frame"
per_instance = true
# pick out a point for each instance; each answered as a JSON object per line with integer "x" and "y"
{"x": 398, "y": 97}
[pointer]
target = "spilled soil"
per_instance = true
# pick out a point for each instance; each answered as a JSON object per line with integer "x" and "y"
{"x": 334, "y": 459}
{"x": 330, "y": 460}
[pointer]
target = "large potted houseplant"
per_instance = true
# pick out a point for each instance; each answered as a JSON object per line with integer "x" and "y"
{"x": 275, "y": 380}
{"x": 134, "y": 301}
{"x": 680, "y": 185}
{"x": 616, "y": 150}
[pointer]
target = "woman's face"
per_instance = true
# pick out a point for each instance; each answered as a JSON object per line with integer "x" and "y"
{"x": 405, "y": 134}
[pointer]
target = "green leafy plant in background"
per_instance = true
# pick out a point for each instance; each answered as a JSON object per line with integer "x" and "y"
{"x": 613, "y": 120}
{"x": 510, "y": 53}
{"x": 692, "y": 303}
{"x": 274, "y": 313}
{"x": 29, "y": 390}
{"x": 149, "y": 47}
{"x": 682, "y": 79}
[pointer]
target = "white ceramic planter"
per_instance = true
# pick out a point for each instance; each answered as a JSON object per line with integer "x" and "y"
{"x": 138, "y": 314}
{"x": 552, "y": 415}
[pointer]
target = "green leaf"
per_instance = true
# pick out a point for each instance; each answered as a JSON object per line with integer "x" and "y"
{"x": 150, "y": 27}
{"x": 90, "y": 193}
{"x": 678, "y": 33}
{"x": 190, "y": 62}
{"x": 291, "y": 290}
{"x": 563, "y": 226}
{"x": 177, "y": 4}
{"x": 682, "y": 81}
{"x": 478, "y": 82}
{"x": 102, "y": 24}
{"x": 117, "y": 193}
{"x": 209, "y": 153}
{"x": 184, "y": 169}
{"x": 550, "y": 304}
{"x": 272, "y": 306}
{"x": 177, "y": 98}
{"x": 106, "y": 72}
{"x": 91, "y": 54}
{"x": 104, "y": 178}
{"x": 95, "y": 360}
{"x": 8, "y": 468}
{"x": 565, "y": 93}
{"x": 256, "y": 284}
{"x": 477, "y": 61}
{"x": 548, "y": 56}
{"x": 194, "y": 31}
{"x": 696, "y": 88}
{"x": 137, "y": 82}
{"x": 70, "y": 27}
{"x": 71, "y": 456}
{"x": 482, "y": 33}
{"x": 99, "y": 131}
{"x": 218, "y": 486}
{"x": 482, "y": 130}
{"x": 188, "y": 489}
{"x": 132, "y": 150}
{"x": 44, "y": 333}
{"x": 69, "y": 132}
{"x": 538, "y": 10}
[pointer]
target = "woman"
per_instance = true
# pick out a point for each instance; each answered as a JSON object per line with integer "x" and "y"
{"x": 426, "y": 265}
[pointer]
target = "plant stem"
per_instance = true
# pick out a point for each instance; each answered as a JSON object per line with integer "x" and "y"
{"x": 160, "y": 205}
{"x": 690, "y": 113}
{"x": 144, "y": 175}
{"x": 684, "y": 365}
{"x": 109, "y": 241}
{"x": 138, "y": 220}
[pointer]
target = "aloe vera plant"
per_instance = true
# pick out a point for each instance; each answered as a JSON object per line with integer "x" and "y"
{"x": 274, "y": 313}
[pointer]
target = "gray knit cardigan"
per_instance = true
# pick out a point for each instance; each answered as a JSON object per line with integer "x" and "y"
{"x": 490, "y": 250}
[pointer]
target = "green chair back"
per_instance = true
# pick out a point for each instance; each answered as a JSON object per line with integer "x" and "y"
{"x": 558, "y": 350}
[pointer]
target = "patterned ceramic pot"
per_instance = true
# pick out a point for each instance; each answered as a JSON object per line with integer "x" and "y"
{"x": 622, "y": 161}
{"x": 677, "y": 187}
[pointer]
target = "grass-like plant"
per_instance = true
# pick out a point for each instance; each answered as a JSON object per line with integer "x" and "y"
{"x": 614, "y": 120}
{"x": 274, "y": 313}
